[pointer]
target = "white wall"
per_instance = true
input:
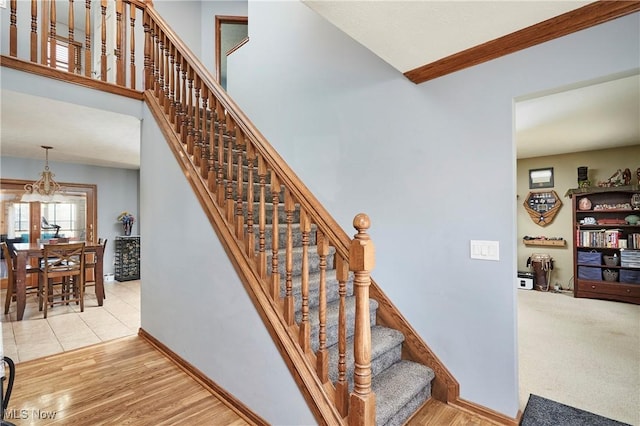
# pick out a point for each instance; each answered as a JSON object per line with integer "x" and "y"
{"x": 192, "y": 299}
{"x": 432, "y": 164}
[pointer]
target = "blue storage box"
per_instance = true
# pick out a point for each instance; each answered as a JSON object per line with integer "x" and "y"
{"x": 589, "y": 273}
{"x": 627, "y": 276}
{"x": 590, "y": 258}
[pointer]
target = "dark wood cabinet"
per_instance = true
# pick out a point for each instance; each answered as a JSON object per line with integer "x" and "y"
{"x": 127, "y": 251}
{"x": 606, "y": 243}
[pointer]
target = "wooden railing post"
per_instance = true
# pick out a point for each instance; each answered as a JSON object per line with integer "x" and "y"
{"x": 362, "y": 410}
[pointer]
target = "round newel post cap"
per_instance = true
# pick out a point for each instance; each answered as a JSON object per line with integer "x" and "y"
{"x": 361, "y": 222}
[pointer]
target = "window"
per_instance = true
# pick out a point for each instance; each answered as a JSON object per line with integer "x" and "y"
{"x": 62, "y": 55}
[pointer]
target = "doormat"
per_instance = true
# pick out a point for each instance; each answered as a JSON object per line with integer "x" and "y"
{"x": 545, "y": 412}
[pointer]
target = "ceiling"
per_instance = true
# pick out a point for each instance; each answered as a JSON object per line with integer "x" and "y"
{"x": 406, "y": 34}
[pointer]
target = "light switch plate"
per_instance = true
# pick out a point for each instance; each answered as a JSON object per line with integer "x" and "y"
{"x": 485, "y": 250}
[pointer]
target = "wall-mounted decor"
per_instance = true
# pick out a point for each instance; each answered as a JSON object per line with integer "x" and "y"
{"x": 541, "y": 178}
{"x": 542, "y": 206}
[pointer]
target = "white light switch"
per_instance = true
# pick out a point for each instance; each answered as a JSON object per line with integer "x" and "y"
{"x": 485, "y": 250}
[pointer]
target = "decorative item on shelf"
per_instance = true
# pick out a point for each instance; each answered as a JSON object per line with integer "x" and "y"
{"x": 635, "y": 201}
{"x": 127, "y": 221}
{"x": 583, "y": 177}
{"x": 542, "y": 206}
{"x": 45, "y": 189}
{"x": 626, "y": 176}
{"x": 543, "y": 241}
{"x": 632, "y": 219}
{"x": 588, "y": 221}
{"x": 584, "y": 204}
{"x": 614, "y": 180}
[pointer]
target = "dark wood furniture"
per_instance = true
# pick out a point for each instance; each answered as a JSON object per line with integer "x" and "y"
{"x": 10, "y": 259}
{"x": 26, "y": 251}
{"x": 90, "y": 266}
{"x": 127, "y": 258}
{"x": 604, "y": 242}
{"x": 62, "y": 267}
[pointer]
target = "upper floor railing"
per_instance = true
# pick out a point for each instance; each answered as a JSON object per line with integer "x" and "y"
{"x": 98, "y": 39}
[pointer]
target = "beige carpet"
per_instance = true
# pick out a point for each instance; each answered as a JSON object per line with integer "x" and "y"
{"x": 581, "y": 352}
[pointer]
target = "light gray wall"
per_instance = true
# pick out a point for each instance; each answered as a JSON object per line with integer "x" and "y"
{"x": 432, "y": 164}
{"x": 117, "y": 191}
{"x": 192, "y": 299}
{"x": 194, "y": 22}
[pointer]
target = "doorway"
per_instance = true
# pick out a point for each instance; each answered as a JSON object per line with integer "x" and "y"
{"x": 231, "y": 32}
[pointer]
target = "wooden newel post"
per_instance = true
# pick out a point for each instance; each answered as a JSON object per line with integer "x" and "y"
{"x": 362, "y": 410}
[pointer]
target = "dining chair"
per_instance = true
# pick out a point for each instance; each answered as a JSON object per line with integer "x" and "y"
{"x": 90, "y": 266}
{"x": 63, "y": 267}
{"x": 10, "y": 262}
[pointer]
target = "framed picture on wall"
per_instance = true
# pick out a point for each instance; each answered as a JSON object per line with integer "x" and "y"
{"x": 541, "y": 178}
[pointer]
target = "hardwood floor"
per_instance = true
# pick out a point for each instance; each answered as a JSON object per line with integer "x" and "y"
{"x": 127, "y": 381}
{"x": 124, "y": 381}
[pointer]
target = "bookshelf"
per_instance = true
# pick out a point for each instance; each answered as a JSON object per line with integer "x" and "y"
{"x": 606, "y": 244}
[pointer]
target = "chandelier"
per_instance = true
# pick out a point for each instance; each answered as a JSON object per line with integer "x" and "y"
{"x": 45, "y": 189}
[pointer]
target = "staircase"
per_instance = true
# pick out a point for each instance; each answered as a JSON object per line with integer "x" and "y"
{"x": 295, "y": 249}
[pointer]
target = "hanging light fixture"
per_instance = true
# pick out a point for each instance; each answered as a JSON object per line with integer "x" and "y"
{"x": 45, "y": 189}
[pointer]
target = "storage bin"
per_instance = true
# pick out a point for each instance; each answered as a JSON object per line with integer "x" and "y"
{"x": 590, "y": 257}
{"x": 611, "y": 260}
{"x": 610, "y": 275}
{"x": 589, "y": 273}
{"x": 627, "y": 276}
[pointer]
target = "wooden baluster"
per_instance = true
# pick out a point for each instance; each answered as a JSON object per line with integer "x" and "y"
{"x": 33, "y": 48}
{"x": 342, "y": 386}
{"x": 120, "y": 81}
{"x": 161, "y": 70}
{"x": 88, "y": 67}
{"x": 148, "y": 49}
{"x": 132, "y": 45}
{"x": 289, "y": 208}
{"x": 220, "y": 167}
{"x": 211, "y": 170}
{"x": 262, "y": 254}
{"x": 305, "y": 326}
{"x": 156, "y": 62}
{"x": 240, "y": 144}
{"x": 275, "y": 243}
{"x": 361, "y": 261}
{"x": 52, "y": 35}
{"x": 103, "y": 40}
{"x": 71, "y": 49}
{"x": 167, "y": 76}
{"x": 251, "y": 239}
{"x": 197, "y": 142}
{"x": 174, "y": 114}
{"x": 228, "y": 202}
{"x": 204, "y": 140}
{"x": 322, "y": 355}
{"x": 182, "y": 121}
{"x": 189, "y": 115}
{"x": 13, "y": 29}
{"x": 174, "y": 71}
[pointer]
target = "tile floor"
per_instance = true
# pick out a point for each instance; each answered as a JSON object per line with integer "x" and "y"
{"x": 67, "y": 328}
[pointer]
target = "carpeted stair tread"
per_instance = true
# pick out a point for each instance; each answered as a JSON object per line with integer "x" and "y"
{"x": 313, "y": 260}
{"x": 396, "y": 387}
{"x": 332, "y": 313}
{"x": 332, "y": 288}
{"x": 386, "y": 350}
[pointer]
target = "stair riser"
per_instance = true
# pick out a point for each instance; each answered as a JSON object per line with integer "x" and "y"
{"x": 378, "y": 364}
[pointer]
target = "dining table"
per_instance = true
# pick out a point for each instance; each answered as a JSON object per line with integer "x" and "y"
{"x": 27, "y": 251}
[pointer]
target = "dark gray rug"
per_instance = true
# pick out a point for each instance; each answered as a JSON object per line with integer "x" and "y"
{"x": 545, "y": 412}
